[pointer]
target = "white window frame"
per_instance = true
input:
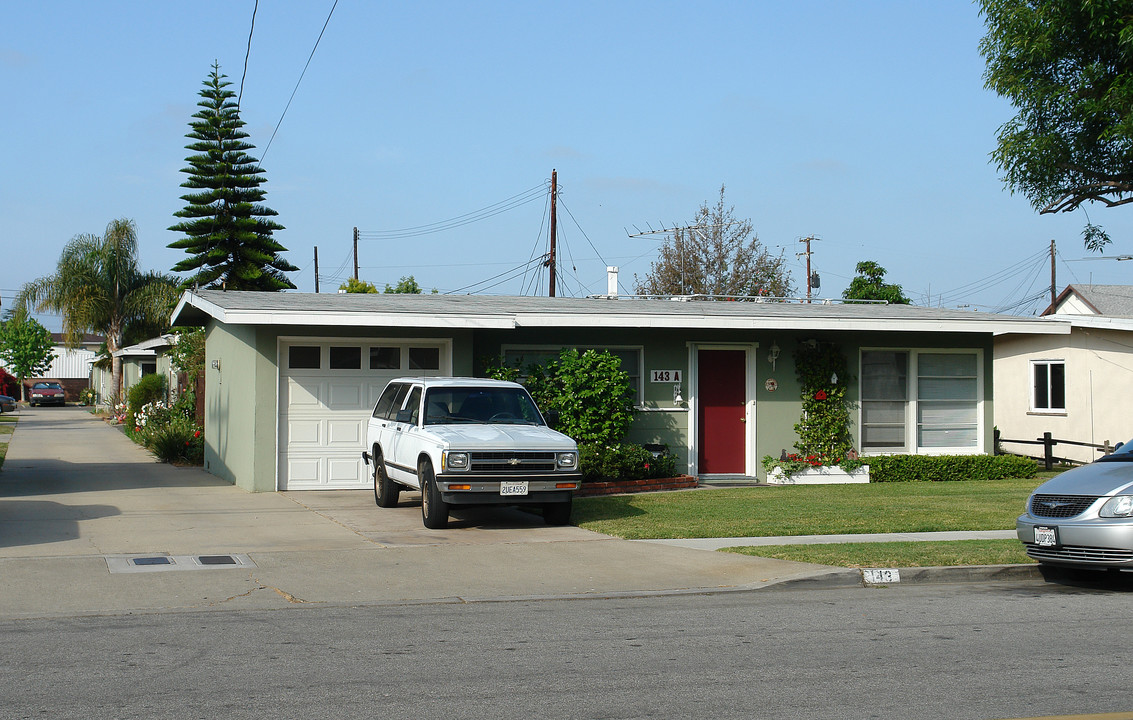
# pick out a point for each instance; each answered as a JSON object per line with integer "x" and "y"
{"x": 911, "y": 403}
{"x": 1050, "y": 409}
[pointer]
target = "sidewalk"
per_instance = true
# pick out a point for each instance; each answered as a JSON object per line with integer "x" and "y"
{"x": 79, "y": 501}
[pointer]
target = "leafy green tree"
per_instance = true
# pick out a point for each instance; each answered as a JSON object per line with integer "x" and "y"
{"x": 97, "y": 287}
{"x": 1067, "y": 67}
{"x": 357, "y": 286}
{"x": 228, "y": 232}
{"x": 26, "y": 347}
{"x": 716, "y": 255}
{"x": 870, "y": 285}
{"x": 406, "y": 286}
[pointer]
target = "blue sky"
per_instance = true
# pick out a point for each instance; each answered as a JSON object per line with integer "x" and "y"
{"x": 863, "y": 124}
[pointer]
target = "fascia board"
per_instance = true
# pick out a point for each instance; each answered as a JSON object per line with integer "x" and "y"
{"x": 353, "y": 319}
{"x": 789, "y": 324}
{"x": 191, "y": 300}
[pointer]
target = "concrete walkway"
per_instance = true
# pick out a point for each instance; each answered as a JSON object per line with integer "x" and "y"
{"x": 80, "y": 504}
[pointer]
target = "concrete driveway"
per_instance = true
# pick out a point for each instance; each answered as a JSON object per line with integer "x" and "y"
{"x": 80, "y": 503}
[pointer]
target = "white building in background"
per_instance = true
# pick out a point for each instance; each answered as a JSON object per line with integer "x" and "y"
{"x": 1075, "y": 387}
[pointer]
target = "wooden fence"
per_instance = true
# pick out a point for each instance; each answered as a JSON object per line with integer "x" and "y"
{"x": 1048, "y": 458}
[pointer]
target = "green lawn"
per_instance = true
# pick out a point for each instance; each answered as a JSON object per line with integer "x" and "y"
{"x": 898, "y": 554}
{"x": 7, "y": 427}
{"x": 808, "y": 510}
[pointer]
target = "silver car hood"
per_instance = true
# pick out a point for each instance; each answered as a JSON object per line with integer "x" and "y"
{"x": 501, "y": 437}
{"x": 1097, "y": 479}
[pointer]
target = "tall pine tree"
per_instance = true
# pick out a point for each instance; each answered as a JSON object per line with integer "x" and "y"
{"x": 228, "y": 231}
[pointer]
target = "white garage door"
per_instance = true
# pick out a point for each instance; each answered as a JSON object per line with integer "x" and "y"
{"x": 327, "y": 390}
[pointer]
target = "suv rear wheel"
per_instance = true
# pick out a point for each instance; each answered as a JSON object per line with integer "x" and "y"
{"x": 386, "y": 491}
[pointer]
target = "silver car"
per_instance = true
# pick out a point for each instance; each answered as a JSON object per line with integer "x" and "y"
{"x": 1083, "y": 517}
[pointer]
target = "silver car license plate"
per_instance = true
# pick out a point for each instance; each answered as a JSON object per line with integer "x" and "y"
{"x": 1046, "y": 536}
{"x": 509, "y": 487}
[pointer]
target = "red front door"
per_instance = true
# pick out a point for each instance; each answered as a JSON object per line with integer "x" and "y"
{"x": 722, "y": 411}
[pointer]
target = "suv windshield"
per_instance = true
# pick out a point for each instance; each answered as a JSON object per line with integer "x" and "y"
{"x": 488, "y": 405}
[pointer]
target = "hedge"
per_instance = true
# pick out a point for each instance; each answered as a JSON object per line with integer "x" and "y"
{"x": 941, "y": 468}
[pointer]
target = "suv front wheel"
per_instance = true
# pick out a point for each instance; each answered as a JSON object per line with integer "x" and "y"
{"x": 434, "y": 510}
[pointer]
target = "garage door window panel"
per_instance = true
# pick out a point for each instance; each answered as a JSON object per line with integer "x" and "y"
{"x": 345, "y": 358}
{"x": 424, "y": 358}
{"x": 304, "y": 357}
{"x": 385, "y": 358}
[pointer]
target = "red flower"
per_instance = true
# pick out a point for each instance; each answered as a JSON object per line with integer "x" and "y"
{"x": 820, "y": 395}
{"x": 197, "y": 434}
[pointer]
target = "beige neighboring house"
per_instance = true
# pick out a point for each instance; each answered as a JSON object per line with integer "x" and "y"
{"x": 1077, "y": 386}
{"x": 145, "y": 358}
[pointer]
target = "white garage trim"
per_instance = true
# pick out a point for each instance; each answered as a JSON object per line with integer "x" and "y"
{"x": 322, "y": 411}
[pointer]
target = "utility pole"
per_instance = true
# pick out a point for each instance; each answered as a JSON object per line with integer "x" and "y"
{"x": 554, "y": 228}
{"x": 355, "y": 254}
{"x": 1053, "y": 287}
{"x": 316, "y": 269}
{"x": 806, "y": 240}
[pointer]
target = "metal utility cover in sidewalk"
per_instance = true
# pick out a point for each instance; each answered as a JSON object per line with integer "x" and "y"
{"x": 164, "y": 563}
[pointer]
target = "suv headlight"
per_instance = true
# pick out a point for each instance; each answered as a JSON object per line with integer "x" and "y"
{"x": 567, "y": 460}
{"x": 456, "y": 461}
{"x": 1118, "y": 507}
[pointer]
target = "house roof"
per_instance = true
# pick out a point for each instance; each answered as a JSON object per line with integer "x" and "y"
{"x": 147, "y": 348}
{"x": 196, "y": 307}
{"x": 1109, "y": 300}
{"x": 88, "y": 339}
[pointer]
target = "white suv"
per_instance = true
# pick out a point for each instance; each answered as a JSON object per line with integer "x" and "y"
{"x": 468, "y": 441}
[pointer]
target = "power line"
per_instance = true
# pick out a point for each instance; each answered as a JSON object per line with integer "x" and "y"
{"x": 247, "y": 54}
{"x": 515, "y": 201}
{"x": 309, "y": 57}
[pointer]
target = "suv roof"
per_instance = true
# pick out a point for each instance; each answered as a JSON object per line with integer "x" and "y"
{"x": 430, "y": 382}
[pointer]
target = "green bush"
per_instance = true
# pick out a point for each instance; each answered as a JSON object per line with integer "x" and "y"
{"x": 175, "y": 440}
{"x": 942, "y": 468}
{"x": 624, "y": 461}
{"x": 88, "y": 397}
{"x": 589, "y": 390}
{"x": 150, "y": 388}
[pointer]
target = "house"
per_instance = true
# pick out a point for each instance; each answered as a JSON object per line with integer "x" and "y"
{"x": 144, "y": 358}
{"x": 1075, "y": 385}
{"x": 291, "y": 378}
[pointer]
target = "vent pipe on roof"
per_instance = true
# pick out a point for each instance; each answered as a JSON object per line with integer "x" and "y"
{"x": 612, "y": 281}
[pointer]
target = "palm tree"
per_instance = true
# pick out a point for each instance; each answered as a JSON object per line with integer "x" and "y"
{"x": 97, "y": 287}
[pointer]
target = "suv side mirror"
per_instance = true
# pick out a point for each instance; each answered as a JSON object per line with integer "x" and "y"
{"x": 552, "y": 418}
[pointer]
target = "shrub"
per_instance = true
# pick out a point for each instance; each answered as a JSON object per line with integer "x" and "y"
{"x": 941, "y": 468}
{"x": 150, "y": 388}
{"x": 624, "y": 461}
{"x": 87, "y": 396}
{"x": 589, "y": 390}
{"x": 174, "y": 440}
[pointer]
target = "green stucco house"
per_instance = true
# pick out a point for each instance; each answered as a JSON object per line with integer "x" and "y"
{"x": 291, "y": 378}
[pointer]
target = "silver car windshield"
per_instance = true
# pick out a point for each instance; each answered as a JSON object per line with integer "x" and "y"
{"x": 487, "y": 405}
{"x": 1121, "y": 454}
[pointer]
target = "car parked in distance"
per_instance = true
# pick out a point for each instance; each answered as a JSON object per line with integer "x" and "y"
{"x": 7, "y": 404}
{"x": 468, "y": 441}
{"x": 1084, "y": 517}
{"x": 46, "y": 392}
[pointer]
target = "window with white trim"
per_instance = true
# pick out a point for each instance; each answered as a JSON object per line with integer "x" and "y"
{"x": 913, "y": 401}
{"x": 1048, "y": 383}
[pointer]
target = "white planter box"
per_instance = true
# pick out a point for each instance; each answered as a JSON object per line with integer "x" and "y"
{"x": 819, "y": 476}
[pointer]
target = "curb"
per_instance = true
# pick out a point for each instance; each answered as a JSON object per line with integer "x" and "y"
{"x": 856, "y": 577}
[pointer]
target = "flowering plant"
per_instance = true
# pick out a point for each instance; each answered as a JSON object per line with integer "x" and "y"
{"x": 791, "y": 463}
